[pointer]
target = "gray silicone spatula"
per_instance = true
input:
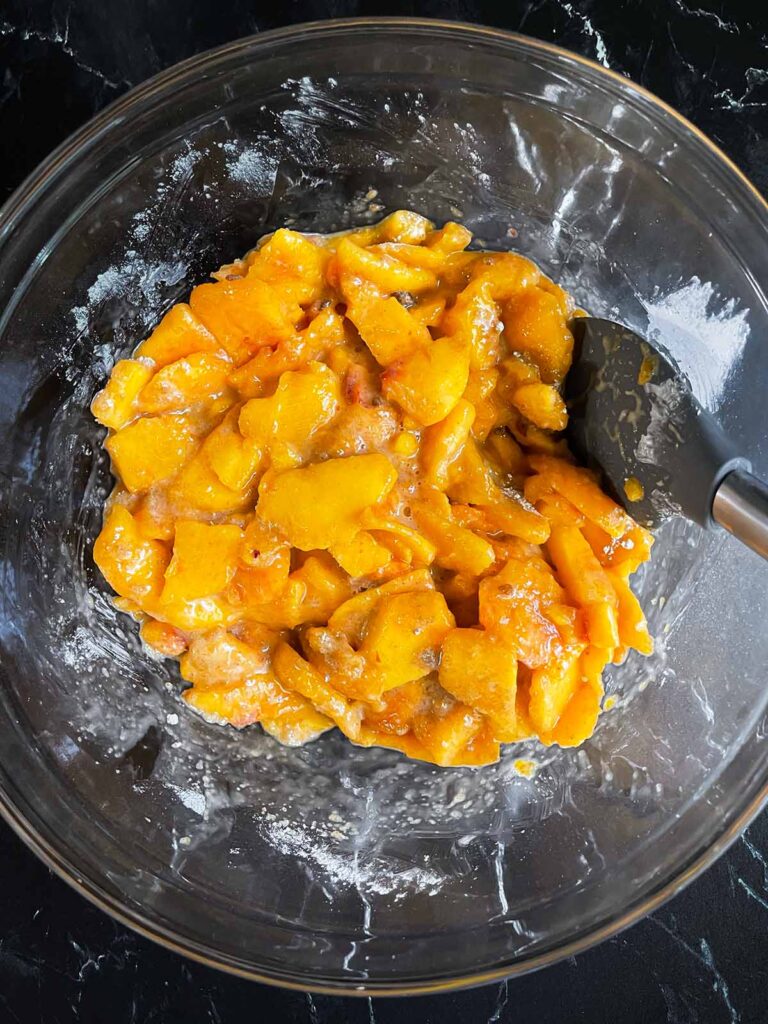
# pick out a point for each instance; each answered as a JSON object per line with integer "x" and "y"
{"x": 634, "y": 417}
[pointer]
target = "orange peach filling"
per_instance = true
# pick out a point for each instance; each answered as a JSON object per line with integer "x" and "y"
{"x": 344, "y": 500}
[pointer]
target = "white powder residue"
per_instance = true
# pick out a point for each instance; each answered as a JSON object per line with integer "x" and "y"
{"x": 457, "y": 145}
{"x": 254, "y": 166}
{"x": 135, "y": 278}
{"x": 465, "y": 146}
{"x": 192, "y": 799}
{"x": 141, "y": 226}
{"x": 319, "y": 101}
{"x": 79, "y": 649}
{"x": 704, "y": 333}
{"x": 180, "y": 170}
{"x": 470, "y": 152}
{"x": 316, "y": 846}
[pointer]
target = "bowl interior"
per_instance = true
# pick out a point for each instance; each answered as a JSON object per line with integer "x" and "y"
{"x": 329, "y": 865}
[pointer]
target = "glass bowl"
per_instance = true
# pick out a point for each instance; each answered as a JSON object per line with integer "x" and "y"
{"x": 331, "y": 867}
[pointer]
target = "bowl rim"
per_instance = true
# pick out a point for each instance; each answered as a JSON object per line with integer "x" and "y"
{"x": 49, "y": 853}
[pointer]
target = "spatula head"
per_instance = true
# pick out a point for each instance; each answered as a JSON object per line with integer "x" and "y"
{"x": 634, "y": 417}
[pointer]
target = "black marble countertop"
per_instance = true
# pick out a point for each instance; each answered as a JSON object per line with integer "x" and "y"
{"x": 703, "y": 958}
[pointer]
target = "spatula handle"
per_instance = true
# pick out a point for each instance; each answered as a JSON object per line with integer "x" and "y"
{"x": 740, "y": 506}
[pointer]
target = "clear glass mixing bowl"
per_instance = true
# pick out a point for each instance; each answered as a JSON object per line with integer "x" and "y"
{"x": 332, "y": 867}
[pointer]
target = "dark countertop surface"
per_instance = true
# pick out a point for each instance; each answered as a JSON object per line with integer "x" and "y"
{"x": 703, "y": 958}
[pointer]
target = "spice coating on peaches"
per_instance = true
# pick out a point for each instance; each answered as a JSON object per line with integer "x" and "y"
{"x": 343, "y": 499}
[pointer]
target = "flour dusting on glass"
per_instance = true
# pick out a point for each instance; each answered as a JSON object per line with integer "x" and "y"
{"x": 330, "y": 826}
